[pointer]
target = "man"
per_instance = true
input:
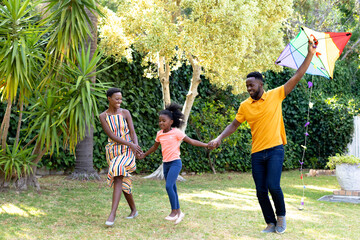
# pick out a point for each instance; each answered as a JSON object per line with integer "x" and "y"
{"x": 262, "y": 110}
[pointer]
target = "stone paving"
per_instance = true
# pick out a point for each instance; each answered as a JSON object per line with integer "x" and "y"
{"x": 340, "y": 198}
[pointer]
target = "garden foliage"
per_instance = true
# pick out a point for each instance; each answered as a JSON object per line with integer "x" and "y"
{"x": 330, "y": 129}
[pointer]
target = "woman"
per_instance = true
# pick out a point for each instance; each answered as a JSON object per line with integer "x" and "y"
{"x": 120, "y": 152}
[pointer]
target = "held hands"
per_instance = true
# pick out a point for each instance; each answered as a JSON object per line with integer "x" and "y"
{"x": 214, "y": 144}
{"x": 136, "y": 149}
{"x": 140, "y": 156}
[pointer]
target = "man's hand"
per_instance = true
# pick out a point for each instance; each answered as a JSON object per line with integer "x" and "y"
{"x": 291, "y": 83}
{"x": 312, "y": 47}
{"x": 214, "y": 144}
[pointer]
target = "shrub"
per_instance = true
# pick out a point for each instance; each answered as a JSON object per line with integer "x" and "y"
{"x": 339, "y": 159}
{"x": 16, "y": 162}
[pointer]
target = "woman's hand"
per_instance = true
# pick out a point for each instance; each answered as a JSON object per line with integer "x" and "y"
{"x": 135, "y": 148}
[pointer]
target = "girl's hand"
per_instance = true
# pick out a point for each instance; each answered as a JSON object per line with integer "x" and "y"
{"x": 141, "y": 155}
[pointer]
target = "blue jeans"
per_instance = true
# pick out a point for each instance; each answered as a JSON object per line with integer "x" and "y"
{"x": 266, "y": 171}
{"x": 171, "y": 172}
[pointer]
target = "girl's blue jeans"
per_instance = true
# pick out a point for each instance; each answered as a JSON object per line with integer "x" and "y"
{"x": 171, "y": 172}
{"x": 266, "y": 171}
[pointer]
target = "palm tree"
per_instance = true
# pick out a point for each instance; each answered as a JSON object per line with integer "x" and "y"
{"x": 66, "y": 108}
{"x": 20, "y": 61}
{"x": 84, "y": 149}
{"x": 65, "y": 101}
{"x": 75, "y": 26}
{"x": 18, "y": 39}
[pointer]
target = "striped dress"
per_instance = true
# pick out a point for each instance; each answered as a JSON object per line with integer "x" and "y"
{"x": 120, "y": 158}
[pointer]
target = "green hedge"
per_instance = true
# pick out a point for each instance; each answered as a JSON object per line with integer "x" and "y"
{"x": 331, "y": 122}
{"x": 330, "y": 130}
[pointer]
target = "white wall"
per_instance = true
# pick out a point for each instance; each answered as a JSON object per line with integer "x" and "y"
{"x": 354, "y": 147}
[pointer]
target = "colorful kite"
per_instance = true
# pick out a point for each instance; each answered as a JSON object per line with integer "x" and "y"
{"x": 329, "y": 47}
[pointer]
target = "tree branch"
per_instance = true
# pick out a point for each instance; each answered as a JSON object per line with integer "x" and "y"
{"x": 351, "y": 49}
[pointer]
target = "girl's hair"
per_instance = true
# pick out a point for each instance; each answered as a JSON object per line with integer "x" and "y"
{"x": 111, "y": 91}
{"x": 173, "y": 111}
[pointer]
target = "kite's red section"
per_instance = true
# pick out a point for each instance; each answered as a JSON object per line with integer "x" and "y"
{"x": 339, "y": 39}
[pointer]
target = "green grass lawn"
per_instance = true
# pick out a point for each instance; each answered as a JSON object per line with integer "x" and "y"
{"x": 222, "y": 206}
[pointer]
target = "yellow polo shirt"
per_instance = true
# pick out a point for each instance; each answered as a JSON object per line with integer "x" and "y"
{"x": 265, "y": 119}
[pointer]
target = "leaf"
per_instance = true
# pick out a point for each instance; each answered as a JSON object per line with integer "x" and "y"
{"x": 78, "y": 81}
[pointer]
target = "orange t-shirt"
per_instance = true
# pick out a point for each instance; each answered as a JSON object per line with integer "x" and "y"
{"x": 265, "y": 119}
{"x": 170, "y": 143}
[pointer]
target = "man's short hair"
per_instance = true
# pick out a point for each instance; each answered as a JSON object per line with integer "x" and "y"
{"x": 256, "y": 75}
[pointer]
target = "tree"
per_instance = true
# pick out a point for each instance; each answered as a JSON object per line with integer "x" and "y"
{"x": 63, "y": 104}
{"x": 328, "y": 16}
{"x": 84, "y": 167}
{"x": 18, "y": 63}
{"x": 222, "y": 40}
{"x": 20, "y": 56}
{"x": 63, "y": 112}
{"x": 75, "y": 26}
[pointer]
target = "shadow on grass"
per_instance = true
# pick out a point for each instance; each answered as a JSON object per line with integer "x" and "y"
{"x": 222, "y": 206}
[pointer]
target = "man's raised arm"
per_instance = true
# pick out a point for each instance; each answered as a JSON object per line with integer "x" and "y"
{"x": 291, "y": 83}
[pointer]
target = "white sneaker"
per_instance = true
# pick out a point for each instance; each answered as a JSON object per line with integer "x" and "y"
{"x": 172, "y": 218}
{"x": 180, "y": 218}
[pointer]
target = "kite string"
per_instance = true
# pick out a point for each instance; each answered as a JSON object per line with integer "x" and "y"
{"x": 310, "y": 84}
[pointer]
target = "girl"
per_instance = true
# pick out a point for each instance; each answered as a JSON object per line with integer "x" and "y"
{"x": 170, "y": 138}
{"x": 122, "y": 144}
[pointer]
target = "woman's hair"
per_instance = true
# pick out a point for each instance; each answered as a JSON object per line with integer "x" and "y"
{"x": 173, "y": 111}
{"x": 111, "y": 91}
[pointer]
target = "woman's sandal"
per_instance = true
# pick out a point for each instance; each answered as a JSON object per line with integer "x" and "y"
{"x": 134, "y": 216}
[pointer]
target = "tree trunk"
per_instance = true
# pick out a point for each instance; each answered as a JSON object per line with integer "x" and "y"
{"x": 23, "y": 183}
{"x": 190, "y": 97}
{"x": 84, "y": 166}
{"x": 5, "y": 124}
{"x": 165, "y": 82}
{"x": 20, "y": 184}
{"x": 210, "y": 161}
{"x": 164, "y": 74}
{"x": 158, "y": 174}
{"x": 20, "y": 119}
